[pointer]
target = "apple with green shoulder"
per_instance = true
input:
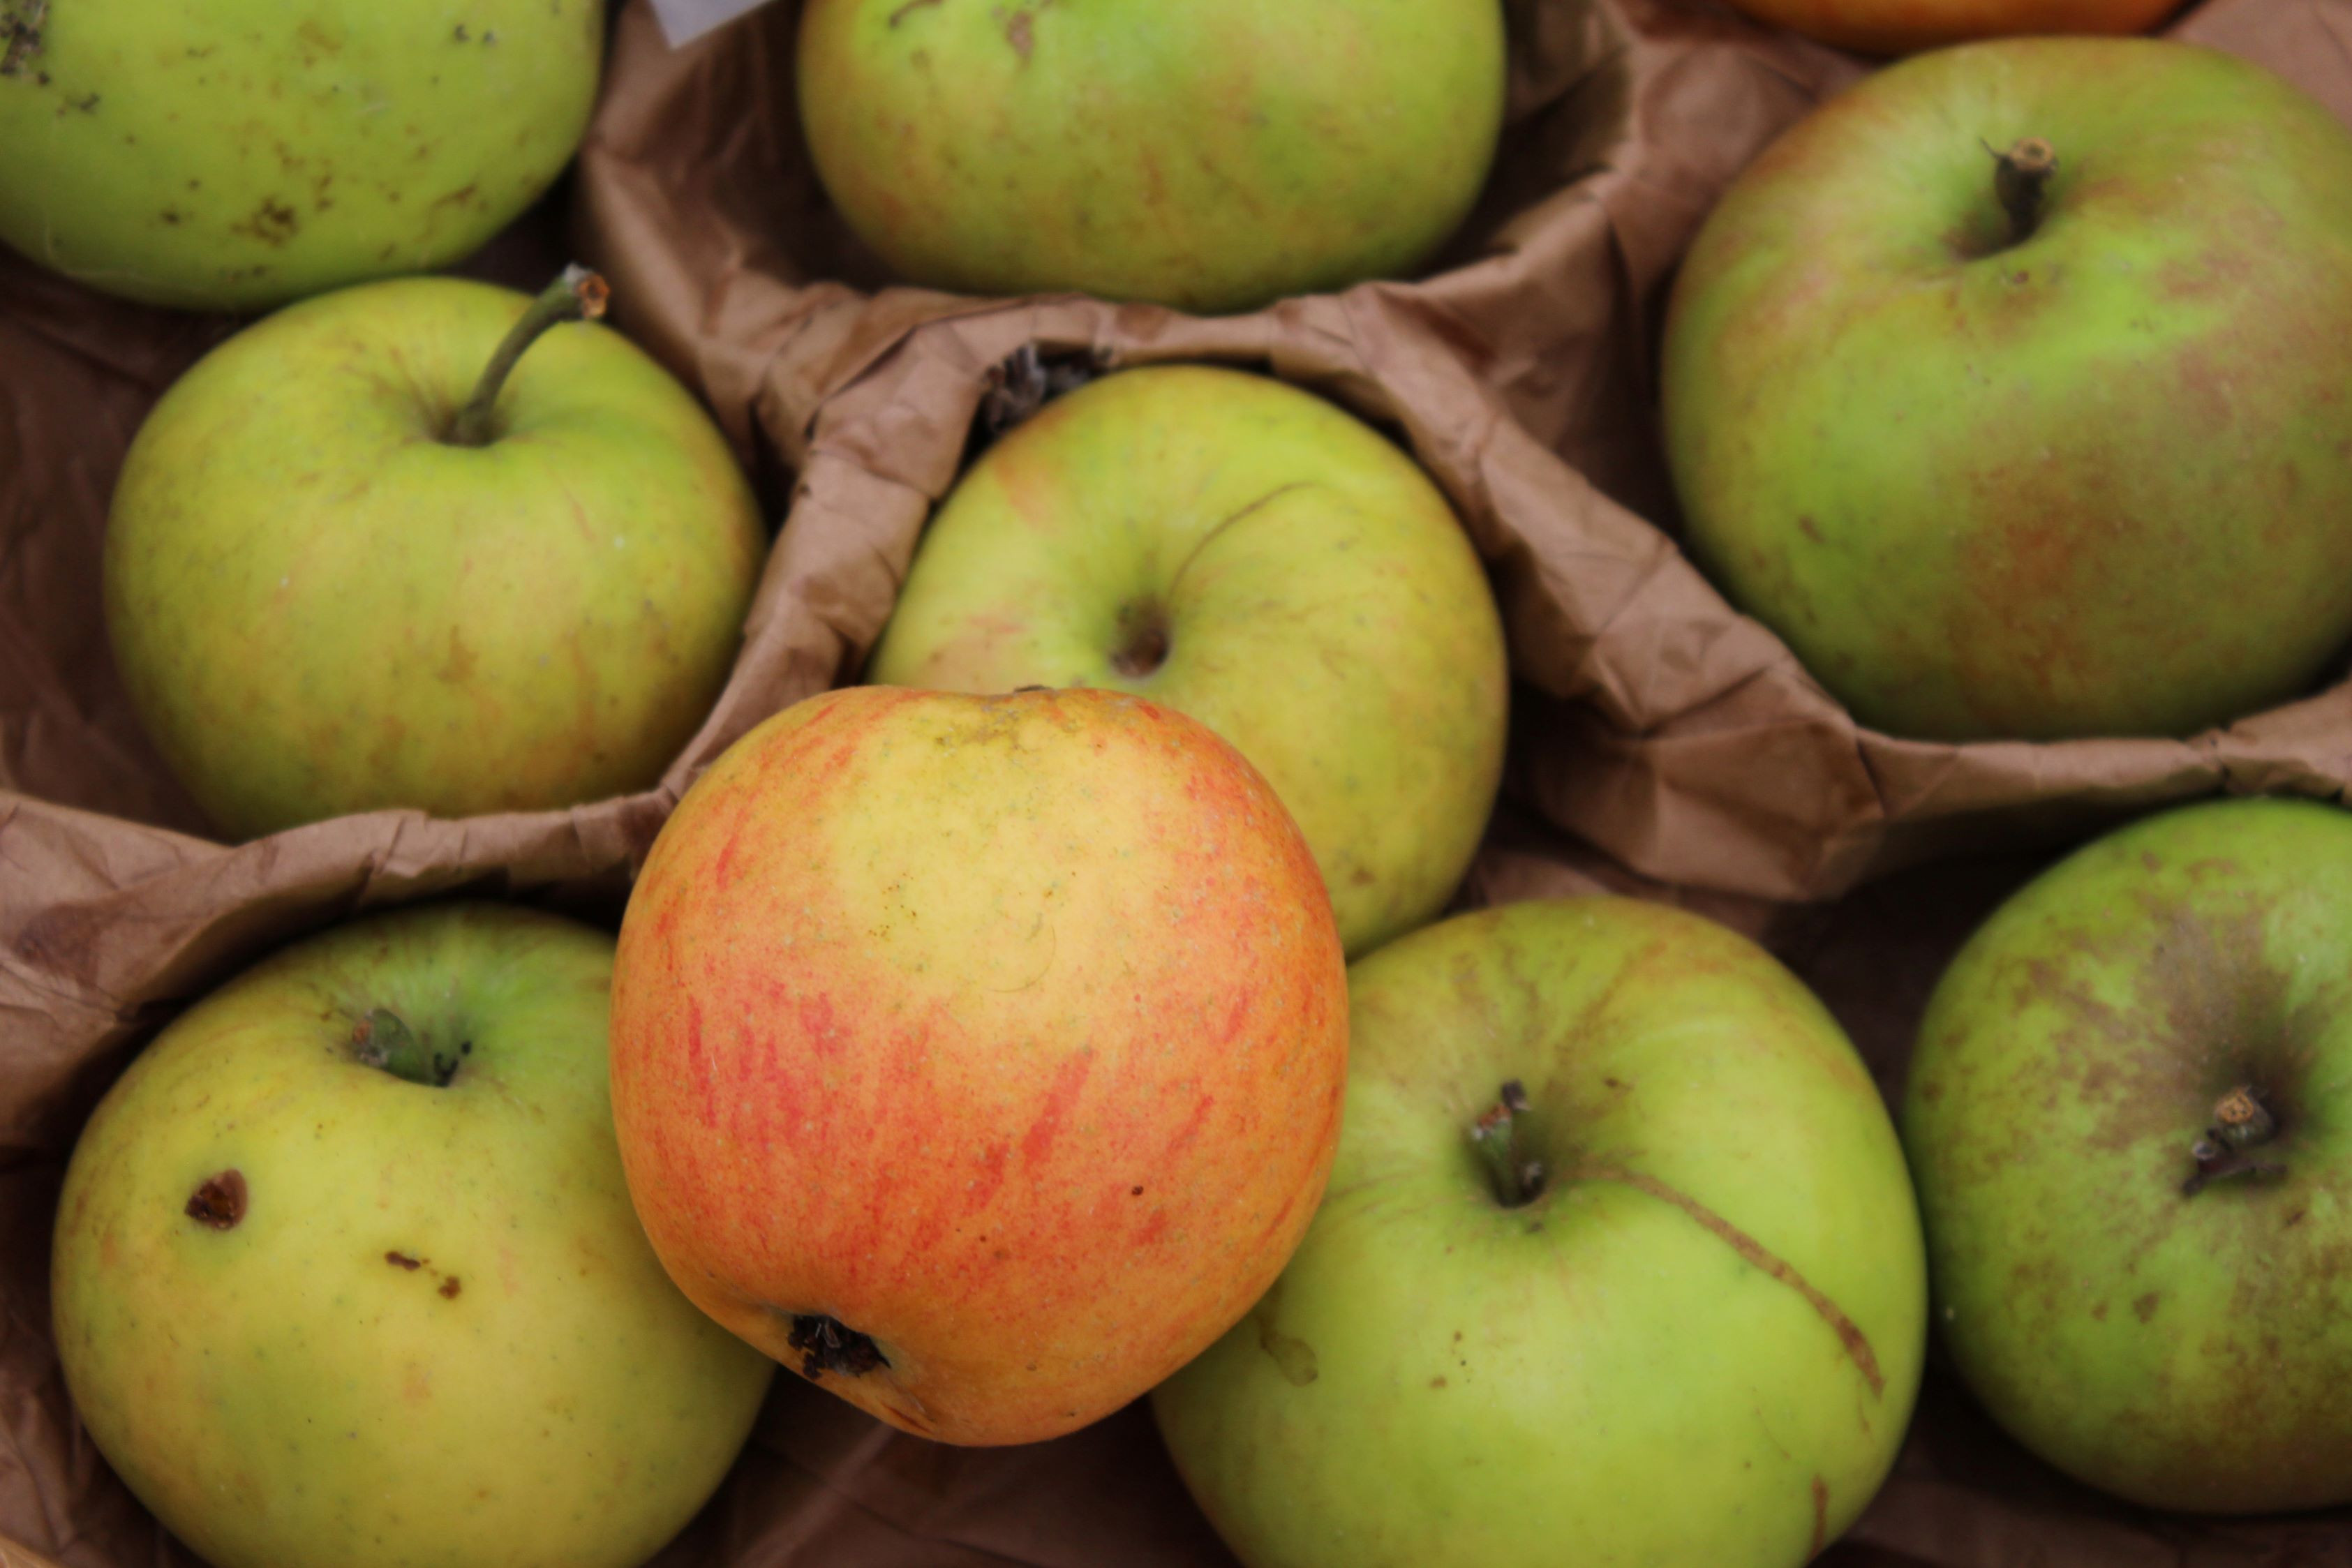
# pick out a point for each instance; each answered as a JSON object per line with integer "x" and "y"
{"x": 393, "y": 548}
{"x": 2012, "y": 388}
{"x": 2129, "y": 1121}
{"x": 235, "y": 155}
{"x": 1214, "y": 156}
{"x": 978, "y": 1057}
{"x": 1619, "y": 1264}
{"x": 346, "y": 1275}
{"x": 1253, "y": 556}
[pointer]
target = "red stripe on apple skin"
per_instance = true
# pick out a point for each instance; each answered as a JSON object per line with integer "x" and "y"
{"x": 1067, "y": 925}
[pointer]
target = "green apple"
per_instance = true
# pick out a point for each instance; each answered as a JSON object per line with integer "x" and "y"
{"x": 346, "y": 1274}
{"x": 334, "y": 583}
{"x": 2001, "y": 449}
{"x": 1214, "y": 155}
{"x": 1667, "y": 1306}
{"x": 1250, "y": 555}
{"x": 2130, "y": 1118}
{"x": 242, "y": 153}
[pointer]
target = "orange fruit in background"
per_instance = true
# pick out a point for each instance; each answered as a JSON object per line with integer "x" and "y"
{"x": 1900, "y": 27}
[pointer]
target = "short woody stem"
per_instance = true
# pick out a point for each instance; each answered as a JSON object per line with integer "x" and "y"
{"x": 579, "y": 295}
{"x": 2020, "y": 177}
{"x": 1498, "y": 1135}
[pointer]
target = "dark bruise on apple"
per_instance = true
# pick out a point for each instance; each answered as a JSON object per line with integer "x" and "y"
{"x": 2128, "y": 1120}
{"x": 2012, "y": 389}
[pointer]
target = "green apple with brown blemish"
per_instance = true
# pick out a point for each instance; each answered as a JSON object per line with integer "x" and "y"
{"x": 2130, "y": 1118}
{"x": 239, "y": 154}
{"x": 1254, "y": 556}
{"x": 1619, "y": 1264}
{"x": 390, "y": 548}
{"x": 2013, "y": 388}
{"x": 1214, "y": 155}
{"x": 346, "y": 1274}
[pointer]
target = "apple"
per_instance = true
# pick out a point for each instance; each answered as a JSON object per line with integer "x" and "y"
{"x": 2013, "y": 390}
{"x": 1899, "y": 26}
{"x": 335, "y": 582}
{"x": 1619, "y": 1265}
{"x": 1252, "y": 556}
{"x": 978, "y": 1057}
{"x": 1214, "y": 156}
{"x": 345, "y": 1273}
{"x": 238, "y": 154}
{"x": 2130, "y": 1118}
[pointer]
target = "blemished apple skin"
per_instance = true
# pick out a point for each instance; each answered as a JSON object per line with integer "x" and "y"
{"x": 434, "y": 1333}
{"x": 2189, "y": 1353}
{"x": 1699, "y": 1345}
{"x": 1008, "y": 1032}
{"x": 1305, "y": 590}
{"x": 319, "y": 606}
{"x": 1901, "y": 26}
{"x": 1214, "y": 156}
{"x": 235, "y": 155}
{"x": 2098, "y": 482}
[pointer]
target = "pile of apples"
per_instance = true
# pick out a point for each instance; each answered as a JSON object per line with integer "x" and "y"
{"x": 1072, "y": 1013}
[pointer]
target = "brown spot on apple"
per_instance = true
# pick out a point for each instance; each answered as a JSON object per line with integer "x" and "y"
{"x": 2145, "y": 1306}
{"x": 450, "y": 1286}
{"x": 1820, "y": 1516}
{"x": 403, "y": 1261}
{"x": 220, "y": 1201}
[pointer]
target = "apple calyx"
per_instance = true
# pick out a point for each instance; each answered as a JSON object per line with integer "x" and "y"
{"x": 579, "y": 295}
{"x": 1519, "y": 1179}
{"x": 2242, "y": 1121}
{"x": 1143, "y": 645}
{"x": 382, "y": 1039}
{"x": 828, "y": 1344}
{"x": 2020, "y": 176}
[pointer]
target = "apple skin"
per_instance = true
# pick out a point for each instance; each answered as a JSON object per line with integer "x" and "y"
{"x": 1900, "y": 27}
{"x": 1009, "y": 1032}
{"x": 528, "y": 1391}
{"x": 1250, "y": 528}
{"x": 1616, "y": 1372}
{"x": 2185, "y": 1352}
{"x": 1212, "y": 156}
{"x": 2099, "y": 482}
{"x": 319, "y": 606}
{"x": 231, "y": 156}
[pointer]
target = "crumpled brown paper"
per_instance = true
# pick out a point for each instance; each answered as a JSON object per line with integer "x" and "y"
{"x": 1651, "y": 721}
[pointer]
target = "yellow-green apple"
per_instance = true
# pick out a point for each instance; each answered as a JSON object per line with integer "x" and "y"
{"x": 1899, "y": 26}
{"x": 345, "y": 1273}
{"x": 1619, "y": 1264}
{"x": 1214, "y": 155}
{"x": 335, "y": 581}
{"x": 2130, "y": 1119}
{"x": 1250, "y": 555}
{"x": 2013, "y": 390}
{"x": 980, "y": 1057}
{"x": 238, "y": 154}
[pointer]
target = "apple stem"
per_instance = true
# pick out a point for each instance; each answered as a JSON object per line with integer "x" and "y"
{"x": 1518, "y": 1178}
{"x": 2020, "y": 176}
{"x": 2242, "y": 1121}
{"x": 579, "y": 295}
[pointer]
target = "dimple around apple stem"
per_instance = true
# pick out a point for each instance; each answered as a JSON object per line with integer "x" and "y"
{"x": 2020, "y": 176}
{"x": 579, "y": 295}
{"x": 1518, "y": 1178}
{"x": 384, "y": 1040}
{"x": 2242, "y": 1121}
